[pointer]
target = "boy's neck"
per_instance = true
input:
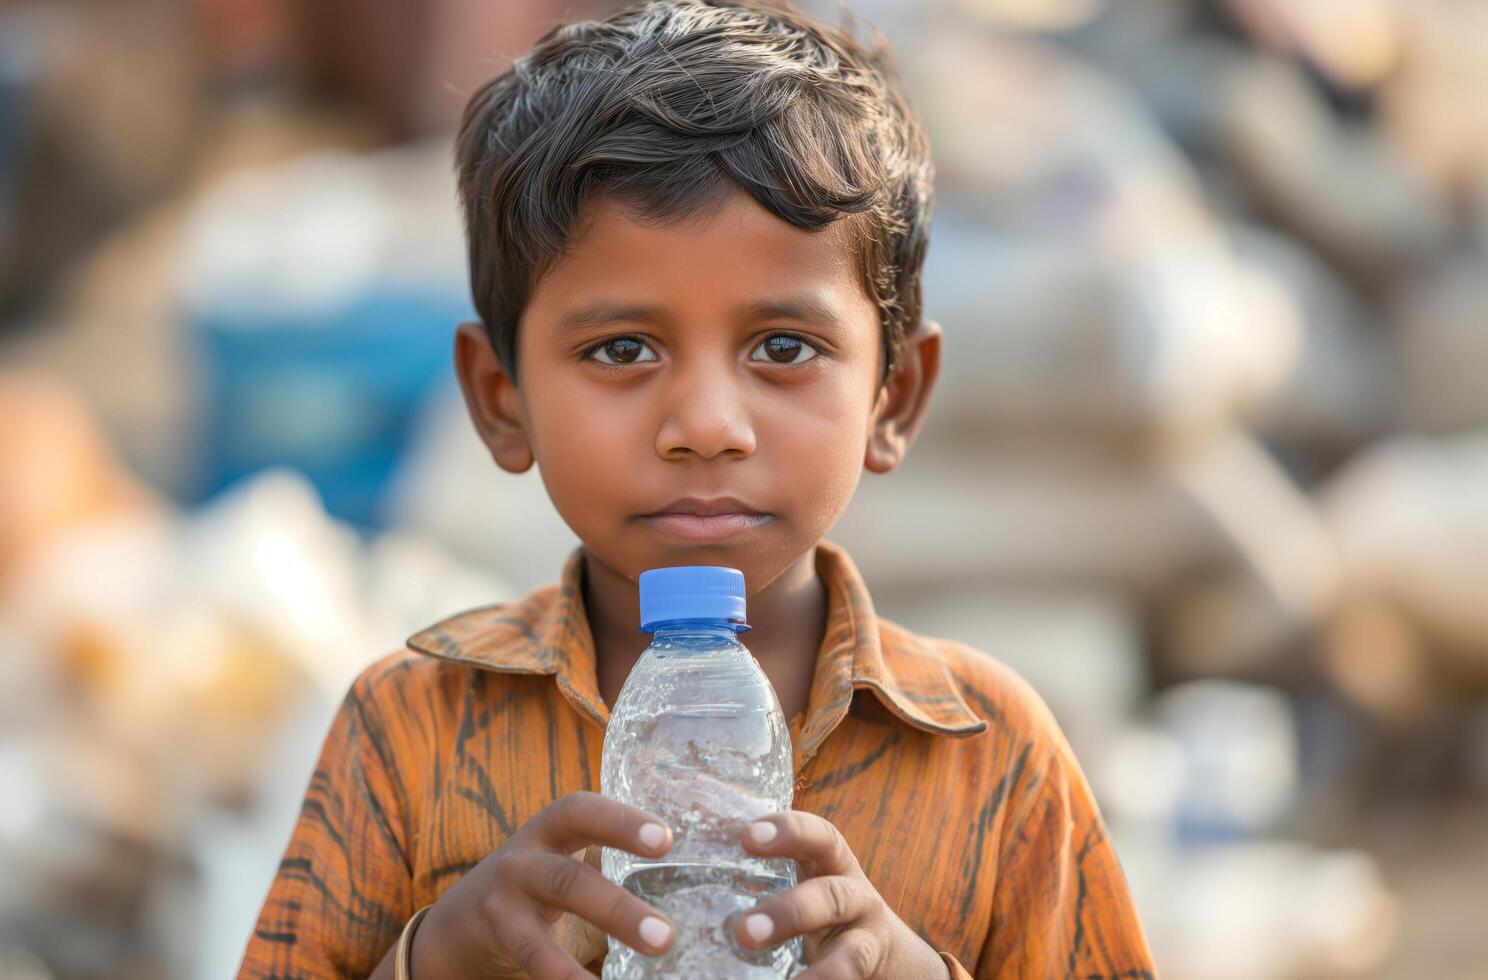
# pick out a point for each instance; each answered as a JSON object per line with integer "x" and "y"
{"x": 787, "y": 620}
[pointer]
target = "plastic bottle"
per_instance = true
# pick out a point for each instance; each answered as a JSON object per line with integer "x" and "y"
{"x": 697, "y": 738}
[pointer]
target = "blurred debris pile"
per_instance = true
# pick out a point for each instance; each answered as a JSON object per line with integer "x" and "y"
{"x": 169, "y": 675}
{"x": 1206, "y": 463}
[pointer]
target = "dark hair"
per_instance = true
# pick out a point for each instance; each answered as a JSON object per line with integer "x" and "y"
{"x": 669, "y": 105}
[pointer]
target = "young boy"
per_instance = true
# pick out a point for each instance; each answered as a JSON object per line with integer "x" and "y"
{"x": 696, "y": 233}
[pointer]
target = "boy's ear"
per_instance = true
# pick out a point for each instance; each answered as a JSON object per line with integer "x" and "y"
{"x": 492, "y": 399}
{"x": 903, "y": 399}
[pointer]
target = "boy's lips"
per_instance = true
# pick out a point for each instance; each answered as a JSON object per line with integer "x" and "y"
{"x": 693, "y": 519}
{"x": 715, "y": 527}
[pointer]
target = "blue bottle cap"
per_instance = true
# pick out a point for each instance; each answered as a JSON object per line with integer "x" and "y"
{"x": 696, "y": 592}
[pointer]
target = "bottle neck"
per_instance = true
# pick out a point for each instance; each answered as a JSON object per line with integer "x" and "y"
{"x": 711, "y": 628}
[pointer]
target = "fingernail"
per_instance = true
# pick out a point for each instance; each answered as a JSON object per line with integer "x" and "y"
{"x": 763, "y": 832}
{"x": 652, "y": 836}
{"x": 655, "y": 932}
{"x": 758, "y": 926}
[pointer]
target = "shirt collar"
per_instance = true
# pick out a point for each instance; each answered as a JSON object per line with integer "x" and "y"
{"x": 547, "y": 632}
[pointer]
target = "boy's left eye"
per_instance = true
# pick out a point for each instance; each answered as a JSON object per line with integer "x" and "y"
{"x": 784, "y": 348}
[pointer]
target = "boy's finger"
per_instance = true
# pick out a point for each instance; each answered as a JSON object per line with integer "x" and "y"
{"x": 853, "y": 955}
{"x": 816, "y": 903}
{"x": 577, "y": 820}
{"x": 815, "y": 844}
{"x": 564, "y": 883}
{"x": 531, "y": 946}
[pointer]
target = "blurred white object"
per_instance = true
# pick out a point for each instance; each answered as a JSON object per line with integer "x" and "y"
{"x": 237, "y": 853}
{"x": 1410, "y": 518}
{"x": 85, "y": 844}
{"x": 270, "y": 553}
{"x": 1140, "y": 529}
{"x": 1337, "y": 395}
{"x": 1239, "y": 744}
{"x": 1082, "y": 653}
{"x": 1273, "y": 910}
{"x": 22, "y": 804}
{"x": 1026, "y": 515}
{"x": 308, "y": 234}
{"x": 1219, "y": 763}
{"x": 315, "y": 228}
{"x": 266, "y": 553}
{"x": 1084, "y": 285}
{"x": 1059, "y": 338}
{"x": 1138, "y": 775}
{"x": 409, "y": 581}
{"x": 451, "y": 491}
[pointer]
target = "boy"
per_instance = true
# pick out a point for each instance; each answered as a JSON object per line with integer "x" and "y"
{"x": 696, "y": 232}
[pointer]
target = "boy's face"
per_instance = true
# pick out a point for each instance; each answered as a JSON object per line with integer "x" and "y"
{"x": 735, "y": 356}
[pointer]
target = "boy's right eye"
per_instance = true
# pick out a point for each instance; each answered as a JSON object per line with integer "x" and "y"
{"x": 621, "y": 350}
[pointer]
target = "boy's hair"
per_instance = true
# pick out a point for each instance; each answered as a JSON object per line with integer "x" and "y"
{"x": 667, "y": 106}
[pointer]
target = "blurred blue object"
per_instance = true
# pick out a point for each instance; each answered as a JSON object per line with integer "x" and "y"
{"x": 17, "y": 67}
{"x": 335, "y": 398}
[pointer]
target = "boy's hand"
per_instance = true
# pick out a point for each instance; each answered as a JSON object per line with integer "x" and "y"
{"x": 850, "y": 932}
{"x": 531, "y": 907}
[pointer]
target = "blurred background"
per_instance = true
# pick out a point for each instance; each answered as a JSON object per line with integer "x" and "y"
{"x": 1208, "y": 465}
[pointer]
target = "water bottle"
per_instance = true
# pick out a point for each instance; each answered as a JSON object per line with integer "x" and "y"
{"x": 697, "y": 738}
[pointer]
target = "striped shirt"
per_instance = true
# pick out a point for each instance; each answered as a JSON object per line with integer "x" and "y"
{"x": 942, "y": 768}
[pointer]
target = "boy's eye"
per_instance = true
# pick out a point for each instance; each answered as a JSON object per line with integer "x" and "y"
{"x": 784, "y": 348}
{"x": 621, "y": 350}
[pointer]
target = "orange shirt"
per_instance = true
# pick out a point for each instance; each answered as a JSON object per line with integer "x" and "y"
{"x": 943, "y": 770}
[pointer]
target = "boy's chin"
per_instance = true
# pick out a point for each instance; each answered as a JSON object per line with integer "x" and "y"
{"x": 758, "y": 551}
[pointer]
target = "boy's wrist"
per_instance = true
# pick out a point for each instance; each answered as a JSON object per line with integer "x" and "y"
{"x": 427, "y": 953}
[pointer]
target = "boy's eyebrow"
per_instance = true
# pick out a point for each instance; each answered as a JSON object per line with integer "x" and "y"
{"x": 802, "y": 308}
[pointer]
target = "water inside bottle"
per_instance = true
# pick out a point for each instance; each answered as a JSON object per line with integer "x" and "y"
{"x": 705, "y": 903}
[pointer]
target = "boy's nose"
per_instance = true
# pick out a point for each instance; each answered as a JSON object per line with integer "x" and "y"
{"x": 706, "y": 416}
